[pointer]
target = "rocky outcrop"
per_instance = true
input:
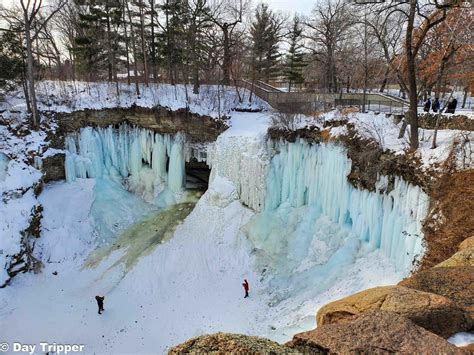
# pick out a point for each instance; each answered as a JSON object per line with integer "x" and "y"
{"x": 24, "y": 261}
{"x": 222, "y": 343}
{"x": 455, "y": 283}
{"x": 464, "y": 257}
{"x": 450, "y": 219}
{"x": 431, "y": 120}
{"x": 161, "y": 120}
{"x": 373, "y": 332}
{"x": 53, "y": 168}
{"x": 433, "y": 312}
{"x": 467, "y": 243}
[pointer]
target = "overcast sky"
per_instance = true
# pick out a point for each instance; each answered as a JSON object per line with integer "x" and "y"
{"x": 300, "y": 6}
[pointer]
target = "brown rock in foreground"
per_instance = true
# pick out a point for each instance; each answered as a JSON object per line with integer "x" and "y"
{"x": 433, "y": 312}
{"x": 222, "y": 343}
{"x": 467, "y": 243}
{"x": 455, "y": 283}
{"x": 464, "y": 257}
{"x": 373, "y": 332}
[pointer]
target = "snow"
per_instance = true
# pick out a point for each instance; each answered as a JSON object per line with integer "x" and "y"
{"x": 384, "y": 131}
{"x": 240, "y": 155}
{"x": 281, "y": 215}
{"x": 66, "y": 96}
{"x": 186, "y": 286}
{"x": 462, "y": 339}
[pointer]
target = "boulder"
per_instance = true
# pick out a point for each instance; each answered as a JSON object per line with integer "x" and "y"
{"x": 464, "y": 257}
{"x": 433, "y": 312}
{"x": 455, "y": 283}
{"x": 467, "y": 243}
{"x": 222, "y": 343}
{"x": 469, "y": 348}
{"x": 373, "y": 332}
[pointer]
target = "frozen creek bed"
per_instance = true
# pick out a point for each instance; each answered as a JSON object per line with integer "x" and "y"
{"x": 280, "y": 215}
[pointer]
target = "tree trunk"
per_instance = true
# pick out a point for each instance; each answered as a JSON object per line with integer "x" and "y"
{"x": 127, "y": 52}
{"x": 153, "y": 46}
{"x": 142, "y": 34}
{"x": 30, "y": 71}
{"x": 464, "y": 98}
{"x": 412, "y": 113}
{"x": 109, "y": 45}
{"x": 227, "y": 61}
{"x": 385, "y": 79}
{"x": 134, "y": 49}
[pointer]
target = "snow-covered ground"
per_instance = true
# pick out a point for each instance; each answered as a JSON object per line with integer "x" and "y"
{"x": 189, "y": 285}
{"x": 176, "y": 284}
{"x": 64, "y": 96}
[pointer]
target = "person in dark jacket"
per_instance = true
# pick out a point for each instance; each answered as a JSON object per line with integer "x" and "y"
{"x": 427, "y": 106}
{"x": 246, "y": 288}
{"x": 436, "y": 105}
{"x": 452, "y": 106}
{"x": 100, "y": 303}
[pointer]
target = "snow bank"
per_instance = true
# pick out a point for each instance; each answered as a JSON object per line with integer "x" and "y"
{"x": 385, "y": 131}
{"x": 69, "y": 96}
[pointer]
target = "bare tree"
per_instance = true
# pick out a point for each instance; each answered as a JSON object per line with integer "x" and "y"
{"x": 226, "y": 15}
{"x": 31, "y": 9}
{"x": 328, "y": 26}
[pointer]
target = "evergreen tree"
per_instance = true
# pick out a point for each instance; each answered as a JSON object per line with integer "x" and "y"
{"x": 265, "y": 34}
{"x": 12, "y": 58}
{"x": 172, "y": 40}
{"x": 294, "y": 63}
{"x": 97, "y": 40}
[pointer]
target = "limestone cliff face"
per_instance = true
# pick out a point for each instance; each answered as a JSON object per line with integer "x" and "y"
{"x": 198, "y": 129}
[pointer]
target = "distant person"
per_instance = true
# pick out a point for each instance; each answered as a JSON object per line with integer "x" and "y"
{"x": 246, "y": 288}
{"x": 452, "y": 106}
{"x": 100, "y": 303}
{"x": 427, "y": 106}
{"x": 436, "y": 105}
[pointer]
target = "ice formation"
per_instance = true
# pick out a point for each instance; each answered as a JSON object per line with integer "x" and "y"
{"x": 308, "y": 197}
{"x": 149, "y": 162}
{"x": 3, "y": 166}
{"x": 245, "y": 164}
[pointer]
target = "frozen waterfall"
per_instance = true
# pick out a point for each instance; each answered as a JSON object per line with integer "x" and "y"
{"x": 314, "y": 214}
{"x": 147, "y": 162}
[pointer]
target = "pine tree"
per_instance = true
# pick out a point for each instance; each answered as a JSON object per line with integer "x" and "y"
{"x": 172, "y": 40}
{"x": 97, "y": 41}
{"x": 295, "y": 62}
{"x": 265, "y": 34}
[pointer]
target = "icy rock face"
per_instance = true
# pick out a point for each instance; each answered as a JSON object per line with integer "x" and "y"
{"x": 244, "y": 162}
{"x": 137, "y": 156}
{"x": 3, "y": 166}
{"x": 316, "y": 216}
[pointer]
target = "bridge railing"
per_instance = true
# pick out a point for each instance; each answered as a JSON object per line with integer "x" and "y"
{"x": 303, "y": 101}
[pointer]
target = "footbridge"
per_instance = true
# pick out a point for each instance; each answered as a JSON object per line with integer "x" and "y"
{"x": 314, "y": 101}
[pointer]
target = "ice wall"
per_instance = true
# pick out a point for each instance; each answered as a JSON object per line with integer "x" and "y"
{"x": 314, "y": 178}
{"x": 147, "y": 162}
{"x": 244, "y": 162}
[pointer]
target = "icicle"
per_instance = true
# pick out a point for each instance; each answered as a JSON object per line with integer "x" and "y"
{"x": 176, "y": 173}
{"x": 316, "y": 175}
{"x": 136, "y": 154}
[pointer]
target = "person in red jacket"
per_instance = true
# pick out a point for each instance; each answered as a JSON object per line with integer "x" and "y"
{"x": 246, "y": 288}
